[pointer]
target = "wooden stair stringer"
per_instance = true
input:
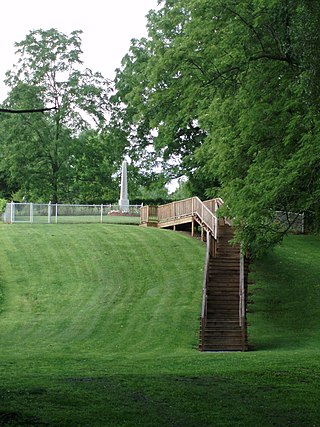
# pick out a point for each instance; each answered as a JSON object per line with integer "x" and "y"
{"x": 222, "y": 330}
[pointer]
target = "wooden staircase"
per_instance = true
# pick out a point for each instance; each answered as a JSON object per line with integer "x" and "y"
{"x": 224, "y": 297}
{"x": 224, "y": 327}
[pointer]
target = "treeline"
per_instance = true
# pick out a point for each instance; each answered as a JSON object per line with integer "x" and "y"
{"x": 231, "y": 90}
{"x": 225, "y": 94}
{"x": 64, "y": 142}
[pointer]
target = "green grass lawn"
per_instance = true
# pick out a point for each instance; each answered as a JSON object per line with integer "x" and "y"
{"x": 80, "y": 219}
{"x": 99, "y": 327}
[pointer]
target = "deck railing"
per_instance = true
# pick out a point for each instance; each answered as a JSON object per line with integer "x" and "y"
{"x": 148, "y": 214}
{"x": 175, "y": 210}
{"x": 183, "y": 208}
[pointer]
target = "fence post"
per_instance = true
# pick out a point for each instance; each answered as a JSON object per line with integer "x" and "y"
{"x": 56, "y": 213}
{"x": 31, "y": 213}
{"x": 49, "y": 212}
{"x": 12, "y": 213}
{"x": 101, "y": 214}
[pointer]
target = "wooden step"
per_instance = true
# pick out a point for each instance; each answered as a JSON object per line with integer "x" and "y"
{"x": 223, "y": 299}
{"x": 222, "y": 331}
{"x": 223, "y": 324}
{"x": 224, "y": 347}
{"x": 226, "y": 340}
{"x": 223, "y": 283}
{"x": 219, "y": 307}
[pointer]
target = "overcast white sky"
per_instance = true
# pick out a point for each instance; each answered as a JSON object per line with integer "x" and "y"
{"x": 108, "y": 26}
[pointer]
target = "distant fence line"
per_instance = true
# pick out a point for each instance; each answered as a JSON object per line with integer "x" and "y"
{"x": 54, "y": 213}
{"x": 295, "y": 222}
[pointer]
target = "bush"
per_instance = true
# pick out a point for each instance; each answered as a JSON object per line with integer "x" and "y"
{"x": 3, "y": 204}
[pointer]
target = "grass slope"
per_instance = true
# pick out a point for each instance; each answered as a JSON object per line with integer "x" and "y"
{"x": 99, "y": 326}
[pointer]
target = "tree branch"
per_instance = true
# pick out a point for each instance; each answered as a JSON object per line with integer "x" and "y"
{"x": 36, "y": 110}
{"x": 266, "y": 55}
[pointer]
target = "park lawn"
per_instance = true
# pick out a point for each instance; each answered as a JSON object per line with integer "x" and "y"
{"x": 99, "y": 326}
{"x": 81, "y": 219}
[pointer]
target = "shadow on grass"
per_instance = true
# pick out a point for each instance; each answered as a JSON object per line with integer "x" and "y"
{"x": 163, "y": 400}
{"x": 285, "y": 313}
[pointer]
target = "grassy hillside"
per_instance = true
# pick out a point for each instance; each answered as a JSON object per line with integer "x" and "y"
{"x": 99, "y": 326}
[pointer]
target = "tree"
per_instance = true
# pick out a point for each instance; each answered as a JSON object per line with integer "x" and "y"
{"x": 96, "y": 163}
{"x": 40, "y": 148}
{"x": 232, "y": 90}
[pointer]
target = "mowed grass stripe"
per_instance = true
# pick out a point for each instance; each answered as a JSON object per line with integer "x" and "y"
{"x": 113, "y": 288}
{"x": 107, "y": 330}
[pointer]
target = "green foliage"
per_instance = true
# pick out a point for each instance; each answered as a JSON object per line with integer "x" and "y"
{"x": 153, "y": 189}
{"x": 95, "y": 163}
{"x": 99, "y": 326}
{"x": 3, "y": 204}
{"x": 183, "y": 191}
{"x": 232, "y": 90}
{"x": 39, "y": 150}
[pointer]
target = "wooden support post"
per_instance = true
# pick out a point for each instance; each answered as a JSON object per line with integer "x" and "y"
{"x": 213, "y": 247}
{"x": 192, "y": 227}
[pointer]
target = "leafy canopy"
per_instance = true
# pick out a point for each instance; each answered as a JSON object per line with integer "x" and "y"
{"x": 228, "y": 92}
{"x": 41, "y": 153}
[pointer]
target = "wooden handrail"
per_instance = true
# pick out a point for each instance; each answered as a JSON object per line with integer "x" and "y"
{"x": 241, "y": 292}
{"x": 187, "y": 207}
{"x": 206, "y": 216}
{"x": 204, "y": 292}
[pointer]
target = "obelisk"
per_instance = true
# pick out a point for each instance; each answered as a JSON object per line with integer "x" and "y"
{"x": 123, "y": 201}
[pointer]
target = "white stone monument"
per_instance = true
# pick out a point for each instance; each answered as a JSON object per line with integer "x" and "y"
{"x": 123, "y": 201}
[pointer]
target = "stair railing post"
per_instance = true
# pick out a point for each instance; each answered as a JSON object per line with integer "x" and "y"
{"x": 241, "y": 292}
{"x": 216, "y": 223}
{"x": 204, "y": 293}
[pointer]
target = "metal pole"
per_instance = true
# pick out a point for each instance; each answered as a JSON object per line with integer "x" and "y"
{"x": 12, "y": 213}
{"x": 31, "y": 213}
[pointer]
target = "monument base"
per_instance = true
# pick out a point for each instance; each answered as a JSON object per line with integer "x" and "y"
{"x": 124, "y": 205}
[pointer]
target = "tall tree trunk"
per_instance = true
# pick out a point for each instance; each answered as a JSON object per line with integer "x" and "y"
{"x": 54, "y": 183}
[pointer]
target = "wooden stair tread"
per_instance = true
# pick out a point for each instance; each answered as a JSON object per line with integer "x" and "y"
{"x": 222, "y": 331}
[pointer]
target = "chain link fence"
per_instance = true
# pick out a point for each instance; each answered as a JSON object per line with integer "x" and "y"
{"x": 54, "y": 213}
{"x": 295, "y": 222}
